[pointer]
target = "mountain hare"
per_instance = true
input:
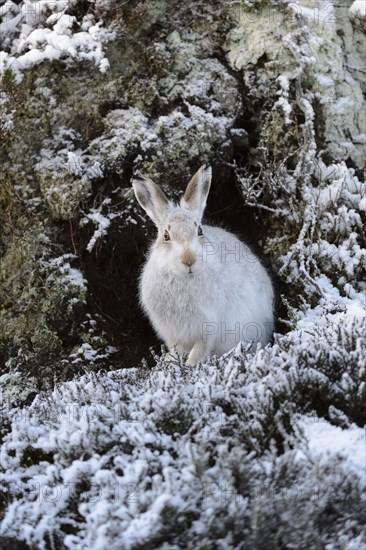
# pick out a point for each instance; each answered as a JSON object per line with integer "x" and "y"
{"x": 203, "y": 290}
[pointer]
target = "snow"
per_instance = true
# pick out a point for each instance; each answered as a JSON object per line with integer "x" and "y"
{"x": 103, "y": 223}
{"x": 323, "y": 12}
{"x": 88, "y": 354}
{"x": 74, "y": 276}
{"x": 71, "y": 275}
{"x": 362, "y": 204}
{"x": 326, "y": 441}
{"x": 62, "y": 41}
{"x": 358, "y": 8}
{"x": 104, "y": 65}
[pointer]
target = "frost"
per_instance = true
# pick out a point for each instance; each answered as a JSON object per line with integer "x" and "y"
{"x": 283, "y": 102}
{"x": 103, "y": 222}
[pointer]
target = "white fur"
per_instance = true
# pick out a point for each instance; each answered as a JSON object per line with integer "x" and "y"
{"x": 226, "y": 296}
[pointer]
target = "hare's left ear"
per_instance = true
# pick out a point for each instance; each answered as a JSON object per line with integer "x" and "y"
{"x": 152, "y": 199}
{"x": 197, "y": 190}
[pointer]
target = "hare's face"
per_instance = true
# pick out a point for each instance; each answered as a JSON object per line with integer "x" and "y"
{"x": 180, "y": 243}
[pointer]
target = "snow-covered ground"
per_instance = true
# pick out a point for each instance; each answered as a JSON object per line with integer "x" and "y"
{"x": 141, "y": 453}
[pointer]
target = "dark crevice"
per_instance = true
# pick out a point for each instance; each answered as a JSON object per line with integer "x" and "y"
{"x": 8, "y": 543}
{"x": 112, "y": 270}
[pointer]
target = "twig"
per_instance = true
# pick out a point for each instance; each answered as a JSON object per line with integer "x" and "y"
{"x": 72, "y": 238}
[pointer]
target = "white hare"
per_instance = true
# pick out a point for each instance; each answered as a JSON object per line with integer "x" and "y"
{"x": 203, "y": 290}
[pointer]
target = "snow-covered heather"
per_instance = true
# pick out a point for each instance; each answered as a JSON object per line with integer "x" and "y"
{"x": 32, "y": 32}
{"x": 122, "y": 455}
{"x": 325, "y": 441}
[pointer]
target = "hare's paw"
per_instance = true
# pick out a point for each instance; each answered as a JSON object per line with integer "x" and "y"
{"x": 198, "y": 353}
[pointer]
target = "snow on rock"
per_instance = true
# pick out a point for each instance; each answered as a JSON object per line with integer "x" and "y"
{"x": 87, "y": 353}
{"x": 72, "y": 275}
{"x": 65, "y": 175}
{"x": 336, "y": 80}
{"x": 178, "y": 133}
{"x": 56, "y": 36}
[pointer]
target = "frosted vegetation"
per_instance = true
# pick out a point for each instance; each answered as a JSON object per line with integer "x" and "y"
{"x": 248, "y": 451}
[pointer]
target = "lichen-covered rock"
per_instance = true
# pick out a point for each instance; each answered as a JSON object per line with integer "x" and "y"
{"x": 42, "y": 303}
{"x": 305, "y": 47}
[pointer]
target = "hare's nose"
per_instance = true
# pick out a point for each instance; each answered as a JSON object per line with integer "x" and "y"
{"x": 188, "y": 258}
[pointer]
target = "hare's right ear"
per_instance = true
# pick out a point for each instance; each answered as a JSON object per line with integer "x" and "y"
{"x": 195, "y": 197}
{"x": 151, "y": 198}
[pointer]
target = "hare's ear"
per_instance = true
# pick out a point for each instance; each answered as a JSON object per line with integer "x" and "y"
{"x": 197, "y": 190}
{"x": 151, "y": 198}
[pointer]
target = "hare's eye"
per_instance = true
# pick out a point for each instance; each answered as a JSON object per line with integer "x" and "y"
{"x": 166, "y": 236}
{"x": 199, "y": 231}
